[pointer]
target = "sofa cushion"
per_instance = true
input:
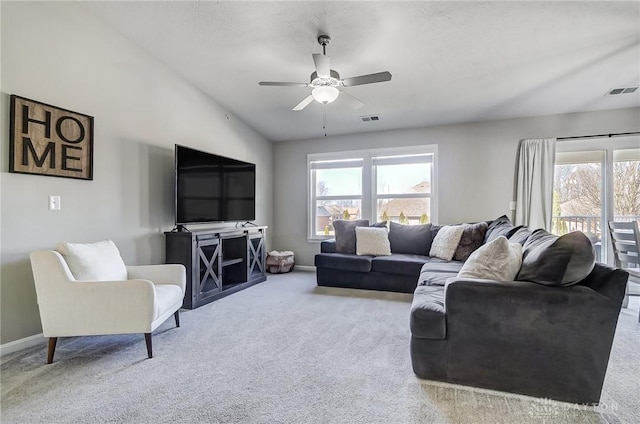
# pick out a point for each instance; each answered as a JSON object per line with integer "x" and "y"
{"x": 343, "y": 261}
{"x": 446, "y": 242}
{"x": 440, "y": 265}
{"x": 472, "y": 238}
{"x": 556, "y": 261}
{"x": 521, "y": 235}
{"x": 498, "y": 260}
{"x": 500, "y": 227}
{"x": 372, "y": 241}
{"x": 328, "y": 246}
{"x": 399, "y": 263}
{"x": 427, "y": 316}
{"x": 410, "y": 239}
{"x": 345, "y": 232}
{"x": 436, "y": 272}
{"x": 381, "y": 224}
{"x": 100, "y": 261}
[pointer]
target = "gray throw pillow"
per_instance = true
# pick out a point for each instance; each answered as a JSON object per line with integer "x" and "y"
{"x": 472, "y": 238}
{"x": 410, "y": 239}
{"x": 345, "y": 232}
{"x": 556, "y": 261}
{"x": 500, "y": 227}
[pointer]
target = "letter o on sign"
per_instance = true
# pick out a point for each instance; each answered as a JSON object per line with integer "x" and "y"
{"x": 70, "y": 129}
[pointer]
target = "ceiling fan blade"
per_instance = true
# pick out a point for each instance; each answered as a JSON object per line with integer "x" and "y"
{"x": 284, "y": 84}
{"x": 367, "y": 79}
{"x": 351, "y": 101}
{"x": 304, "y": 103}
{"x": 322, "y": 65}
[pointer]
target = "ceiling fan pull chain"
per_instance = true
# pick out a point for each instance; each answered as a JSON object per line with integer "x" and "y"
{"x": 324, "y": 119}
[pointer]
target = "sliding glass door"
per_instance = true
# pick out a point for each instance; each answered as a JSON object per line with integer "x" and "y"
{"x": 596, "y": 181}
{"x": 577, "y": 195}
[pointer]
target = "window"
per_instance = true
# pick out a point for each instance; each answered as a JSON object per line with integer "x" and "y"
{"x": 595, "y": 182}
{"x": 379, "y": 185}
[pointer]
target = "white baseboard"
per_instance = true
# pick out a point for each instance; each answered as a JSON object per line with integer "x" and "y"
{"x": 305, "y": 268}
{"x": 17, "y": 345}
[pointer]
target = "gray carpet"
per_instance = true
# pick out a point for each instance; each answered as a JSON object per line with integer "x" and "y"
{"x": 284, "y": 351}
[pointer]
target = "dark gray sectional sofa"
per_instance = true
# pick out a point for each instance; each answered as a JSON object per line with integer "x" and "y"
{"x": 532, "y": 338}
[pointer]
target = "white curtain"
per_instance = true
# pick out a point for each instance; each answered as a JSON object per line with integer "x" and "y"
{"x": 534, "y": 190}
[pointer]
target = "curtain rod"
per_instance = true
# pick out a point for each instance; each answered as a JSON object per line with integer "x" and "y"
{"x": 599, "y": 135}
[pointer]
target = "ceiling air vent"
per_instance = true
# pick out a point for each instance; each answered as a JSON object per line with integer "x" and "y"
{"x": 370, "y": 118}
{"x": 622, "y": 90}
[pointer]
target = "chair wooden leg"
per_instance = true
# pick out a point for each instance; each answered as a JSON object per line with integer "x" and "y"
{"x": 52, "y": 349}
{"x": 177, "y": 317}
{"x": 147, "y": 338}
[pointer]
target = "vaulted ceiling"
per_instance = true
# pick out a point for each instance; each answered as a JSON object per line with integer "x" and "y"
{"x": 451, "y": 61}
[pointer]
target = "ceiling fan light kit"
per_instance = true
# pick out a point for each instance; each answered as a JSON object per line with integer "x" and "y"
{"x": 325, "y": 94}
{"x": 325, "y": 82}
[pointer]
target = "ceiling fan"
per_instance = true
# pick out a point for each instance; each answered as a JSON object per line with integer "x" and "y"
{"x": 326, "y": 83}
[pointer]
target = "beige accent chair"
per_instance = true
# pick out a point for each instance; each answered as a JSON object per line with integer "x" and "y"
{"x": 86, "y": 289}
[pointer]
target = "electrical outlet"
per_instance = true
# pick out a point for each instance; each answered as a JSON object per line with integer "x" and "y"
{"x": 512, "y": 205}
{"x": 54, "y": 203}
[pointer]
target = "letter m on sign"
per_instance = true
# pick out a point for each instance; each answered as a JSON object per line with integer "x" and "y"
{"x": 48, "y": 140}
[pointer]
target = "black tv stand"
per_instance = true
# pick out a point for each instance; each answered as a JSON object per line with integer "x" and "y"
{"x": 219, "y": 262}
{"x": 181, "y": 229}
{"x": 247, "y": 224}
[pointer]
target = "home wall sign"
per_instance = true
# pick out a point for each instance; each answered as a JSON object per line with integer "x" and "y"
{"x": 48, "y": 140}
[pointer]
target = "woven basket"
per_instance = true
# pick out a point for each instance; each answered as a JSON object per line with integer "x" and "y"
{"x": 280, "y": 262}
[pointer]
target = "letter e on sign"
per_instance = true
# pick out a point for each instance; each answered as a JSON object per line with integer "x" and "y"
{"x": 48, "y": 140}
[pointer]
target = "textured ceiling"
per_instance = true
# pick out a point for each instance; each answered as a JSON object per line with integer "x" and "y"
{"x": 451, "y": 61}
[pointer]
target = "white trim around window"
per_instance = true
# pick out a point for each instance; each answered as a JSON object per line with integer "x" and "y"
{"x": 367, "y": 196}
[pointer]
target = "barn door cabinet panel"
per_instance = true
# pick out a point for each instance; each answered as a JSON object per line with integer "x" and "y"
{"x": 218, "y": 262}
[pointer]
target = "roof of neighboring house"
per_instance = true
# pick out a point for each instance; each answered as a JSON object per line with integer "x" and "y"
{"x": 410, "y": 207}
{"x": 322, "y": 211}
{"x": 423, "y": 187}
{"x": 333, "y": 210}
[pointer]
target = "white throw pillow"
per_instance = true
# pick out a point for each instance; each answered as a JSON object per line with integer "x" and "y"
{"x": 372, "y": 241}
{"x": 99, "y": 261}
{"x": 497, "y": 260}
{"x": 446, "y": 242}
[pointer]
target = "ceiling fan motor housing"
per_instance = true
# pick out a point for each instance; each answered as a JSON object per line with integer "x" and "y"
{"x": 324, "y": 40}
{"x": 333, "y": 81}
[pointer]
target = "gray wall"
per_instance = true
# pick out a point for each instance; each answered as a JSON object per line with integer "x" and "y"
{"x": 476, "y": 166}
{"x": 57, "y": 53}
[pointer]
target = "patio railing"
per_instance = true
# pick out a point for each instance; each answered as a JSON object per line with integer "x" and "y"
{"x": 588, "y": 224}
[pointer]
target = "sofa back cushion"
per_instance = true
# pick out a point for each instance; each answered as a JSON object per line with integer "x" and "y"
{"x": 556, "y": 261}
{"x": 410, "y": 239}
{"x": 498, "y": 260}
{"x": 500, "y": 227}
{"x": 345, "y": 232}
{"x": 521, "y": 235}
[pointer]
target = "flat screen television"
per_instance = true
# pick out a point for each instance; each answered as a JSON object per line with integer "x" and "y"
{"x": 211, "y": 188}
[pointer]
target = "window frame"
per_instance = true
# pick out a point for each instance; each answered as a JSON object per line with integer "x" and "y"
{"x": 369, "y": 195}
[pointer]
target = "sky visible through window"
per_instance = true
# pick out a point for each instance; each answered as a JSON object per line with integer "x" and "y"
{"x": 391, "y": 179}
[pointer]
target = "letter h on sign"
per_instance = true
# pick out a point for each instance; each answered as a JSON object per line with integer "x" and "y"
{"x": 48, "y": 140}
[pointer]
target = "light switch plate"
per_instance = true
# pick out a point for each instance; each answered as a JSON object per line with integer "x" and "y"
{"x": 54, "y": 203}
